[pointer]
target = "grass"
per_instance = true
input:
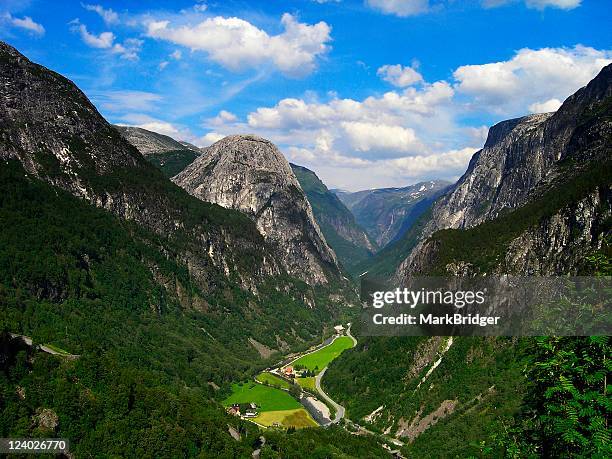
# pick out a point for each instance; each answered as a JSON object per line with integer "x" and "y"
{"x": 321, "y": 358}
{"x": 265, "y": 397}
{"x": 272, "y": 380}
{"x": 307, "y": 383}
{"x": 59, "y": 350}
{"x": 297, "y": 418}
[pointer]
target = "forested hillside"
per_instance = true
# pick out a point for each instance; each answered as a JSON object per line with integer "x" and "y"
{"x": 350, "y": 242}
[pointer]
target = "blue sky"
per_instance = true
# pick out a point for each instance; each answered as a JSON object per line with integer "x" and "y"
{"x": 368, "y": 93}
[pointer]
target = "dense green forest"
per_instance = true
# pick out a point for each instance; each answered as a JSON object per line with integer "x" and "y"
{"x": 172, "y": 162}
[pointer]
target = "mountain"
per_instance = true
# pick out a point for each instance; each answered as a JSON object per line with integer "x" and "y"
{"x": 387, "y": 213}
{"x": 157, "y": 297}
{"x": 536, "y": 200}
{"x": 349, "y": 241}
{"x": 170, "y": 155}
{"x": 56, "y": 137}
{"x": 249, "y": 174}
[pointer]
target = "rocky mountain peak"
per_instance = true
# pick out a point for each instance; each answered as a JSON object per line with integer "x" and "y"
{"x": 521, "y": 159}
{"x": 250, "y": 174}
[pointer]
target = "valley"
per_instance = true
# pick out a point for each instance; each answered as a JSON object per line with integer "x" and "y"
{"x": 282, "y": 396}
{"x": 163, "y": 299}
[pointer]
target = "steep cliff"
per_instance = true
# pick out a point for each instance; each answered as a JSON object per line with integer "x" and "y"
{"x": 561, "y": 156}
{"x": 388, "y": 213}
{"x": 249, "y": 174}
{"x": 348, "y": 240}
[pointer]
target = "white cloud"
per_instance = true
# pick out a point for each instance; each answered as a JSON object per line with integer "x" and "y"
{"x": 129, "y": 49}
{"x": 390, "y": 108}
{"x": 120, "y": 102}
{"x": 416, "y": 133}
{"x": 237, "y": 44}
{"x": 176, "y": 55}
{"x": 399, "y": 76}
{"x": 26, "y": 23}
{"x": 224, "y": 117}
{"x": 366, "y": 137}
{"x": 551, "y": 105}
{"x": 141, "y": 120}
{"x": 102, "y": 41}
{"x": 162, "y": 65}
{"x": 108, "y": 15}
{"x": 563, "y": 4}
{"x": 400, "y": 8}
{"x": 536, "y": 4}
{"x": 450, "y": 163}
{"x": 161, "y": 127}
{"x": 209, "y": 139}
{"x": 200, "y": 7}
{"x": 530, "y": 77}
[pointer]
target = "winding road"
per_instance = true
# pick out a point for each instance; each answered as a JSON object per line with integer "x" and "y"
{"x": 339, "y": 408}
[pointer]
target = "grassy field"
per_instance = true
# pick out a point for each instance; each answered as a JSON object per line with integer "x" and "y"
{"x": 287, "y": 418}
{"x": 307, "y": 383}
{"x": 267, "y": 398}
{"x": 320, "y": 359}
{"x": 272, "y": 380}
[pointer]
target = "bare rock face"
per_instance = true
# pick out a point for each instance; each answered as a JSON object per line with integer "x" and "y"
{"x": 519, "y": 161}
{"x": 249, "y": 174}
{"x": 150, "y": 143}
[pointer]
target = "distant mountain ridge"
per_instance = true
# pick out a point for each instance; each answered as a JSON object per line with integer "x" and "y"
{"x": 387, "y": 213}
{"x": 149, "y": 142}
{"x": 170, "y": 155}
{"x": 349, "y": 241}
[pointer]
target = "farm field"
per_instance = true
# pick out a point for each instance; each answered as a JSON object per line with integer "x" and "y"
{"x": 272, "y": 380}
{"x": 298, "y": 418}
{"x": 265, "y": 397}
{"x": 307, "y": 383}
{"x": 321, "y": 358}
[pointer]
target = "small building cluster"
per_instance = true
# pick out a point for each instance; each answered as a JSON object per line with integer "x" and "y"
{"x": 244, "y": 410}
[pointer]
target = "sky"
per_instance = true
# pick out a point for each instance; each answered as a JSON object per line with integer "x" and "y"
{"x": 367, "y": 93}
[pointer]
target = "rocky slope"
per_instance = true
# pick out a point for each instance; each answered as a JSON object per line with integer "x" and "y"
{"x": 149, "y": 142}
{"x": 387, "y": 213}
{"x": 523, "y": 160}
{"x": 249, "y": 174}
{"x": 348, "y": 240}
{"x": 170, "y": 155}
